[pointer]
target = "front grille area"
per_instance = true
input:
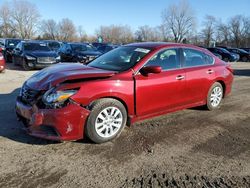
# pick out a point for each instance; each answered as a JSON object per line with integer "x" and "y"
{"x": 48, "y": 130}
{"x": 28, "y": 95}
{"x": 46, "y": 59}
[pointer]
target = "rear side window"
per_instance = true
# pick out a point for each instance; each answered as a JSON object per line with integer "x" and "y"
{"x": 193, "y": 58}
{"x": 167, "y": 59}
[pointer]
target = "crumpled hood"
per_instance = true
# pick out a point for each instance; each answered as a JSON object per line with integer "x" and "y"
{"x": 53, "y": 75}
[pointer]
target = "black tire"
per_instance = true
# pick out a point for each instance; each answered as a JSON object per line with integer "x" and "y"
{"x": 244, "y": 59}
{"x": 96, "y": 108}
{"x": 225, "y": 59}
{"x": 26, "y": 66}
{"x": 209, "y": 105}
{"x": 14, "y": 62}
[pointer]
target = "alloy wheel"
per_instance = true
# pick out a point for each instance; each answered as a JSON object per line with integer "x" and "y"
{"x": 216, "y": 96}
{"x": 108, "y": 122}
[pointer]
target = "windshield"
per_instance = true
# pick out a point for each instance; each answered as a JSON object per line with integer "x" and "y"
{"x": 243, "y": 51}
{"x": 120, "y": 59}
{"x": 36, "y": 47}
{"x": 82, "y": 47}
{"x": 12, "y": 43}
{"x": 54, "y": 45}
{"x": 224, "y": 50}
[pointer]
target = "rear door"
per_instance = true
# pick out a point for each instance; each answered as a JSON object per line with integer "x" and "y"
{"x": 162, "y": 91}
{"x": 200, "y": 74}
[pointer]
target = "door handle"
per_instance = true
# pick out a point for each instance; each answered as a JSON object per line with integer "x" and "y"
{"x": 210, "y": 71}
{"x": 180, "y": 77}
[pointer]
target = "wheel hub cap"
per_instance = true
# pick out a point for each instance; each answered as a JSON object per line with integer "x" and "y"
{"x": 108, "y": 122}
{"x": 216, "y": 96}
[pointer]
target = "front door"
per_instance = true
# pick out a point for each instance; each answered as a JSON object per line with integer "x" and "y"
{"x": 162, "y": 91}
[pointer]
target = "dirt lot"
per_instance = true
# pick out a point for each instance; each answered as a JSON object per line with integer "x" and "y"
{"x": 191, "y": 148}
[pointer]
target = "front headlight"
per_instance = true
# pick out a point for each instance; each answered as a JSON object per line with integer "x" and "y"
{"x": 58, "y": 58}
{"x": 51, "y": 97}
{"x": 30, "y": 57}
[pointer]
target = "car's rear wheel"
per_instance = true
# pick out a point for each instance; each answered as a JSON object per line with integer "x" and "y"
{"x": 215, "y": 96}
{"x": 244, "y": 59}
{"x": 106, "y": 120}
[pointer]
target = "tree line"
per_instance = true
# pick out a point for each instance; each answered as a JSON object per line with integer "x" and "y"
{"x": 21, "y": 19}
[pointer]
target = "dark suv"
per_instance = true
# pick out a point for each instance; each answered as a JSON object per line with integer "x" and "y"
{"x": 78, "y": 52}
{"x": 7, "y": 46}
{"x": 34, "y": 54}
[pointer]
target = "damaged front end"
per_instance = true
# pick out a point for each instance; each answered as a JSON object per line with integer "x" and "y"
{"x": 51, "y": 114}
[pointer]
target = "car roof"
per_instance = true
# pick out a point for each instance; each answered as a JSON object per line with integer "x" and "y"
{"x": 33, "y": 41}
{"x": 157, "y": 45}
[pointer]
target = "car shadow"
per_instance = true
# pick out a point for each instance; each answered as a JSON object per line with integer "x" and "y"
{"x": 12, "y": 129}
{"x": 242, "y": 72}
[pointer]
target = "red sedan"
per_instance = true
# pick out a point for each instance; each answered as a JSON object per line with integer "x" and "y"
{"x": 2, "y": 62}
{"x": 125, "y": 85}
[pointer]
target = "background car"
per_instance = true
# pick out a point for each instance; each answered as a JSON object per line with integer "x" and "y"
{"x": 53, "y": 44}
{"x": 246, "y": 49}
{"x": 226, "y": 55}
{"x": 244, "y": 55}
{"x": 2, "y": 62}
{"x": 99, "y": 44}
{"x": 78, "y": 52}
{"x": 33, "y": 55}
{"x": 106, "y": 48}
{"x": 8, "y": 45}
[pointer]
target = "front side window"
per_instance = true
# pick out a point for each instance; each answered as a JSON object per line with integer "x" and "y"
{"x": 19, "y": 46}
{"x": 194, "y": 58}
{"x": 120, "y": 59}
{"x": 166, "y": 59}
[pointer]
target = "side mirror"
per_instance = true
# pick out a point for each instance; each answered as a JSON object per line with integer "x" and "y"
{"x": 150, "y": 69}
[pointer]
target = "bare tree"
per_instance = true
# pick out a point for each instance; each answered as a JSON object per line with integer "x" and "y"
{"x": 179, "y": 19}
{"x": 208, "y": 31}
{"x": 49, "y": 29}
{"x": 239, "y": 26}
{"x": 147, "y": 33}
{"x": 116, "y": 33}
{"x": 223, "y": 33}
{"x": 25, "y": 17}
{"x": 67, "y": 30}
{"x": 6, "y": 25}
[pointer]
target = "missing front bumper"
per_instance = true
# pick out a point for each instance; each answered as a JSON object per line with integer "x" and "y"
{"x": 54, "y": 124}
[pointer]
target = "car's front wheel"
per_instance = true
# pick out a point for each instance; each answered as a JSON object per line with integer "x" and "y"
{"x": 214, "y": 97}
{"x": 106, "y": 120}
{"x": 26, "y": 66}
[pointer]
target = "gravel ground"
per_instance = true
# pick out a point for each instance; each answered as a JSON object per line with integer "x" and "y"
{"x": 190, "y": 148}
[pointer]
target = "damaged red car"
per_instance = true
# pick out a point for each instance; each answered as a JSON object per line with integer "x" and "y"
{"x": 131, "y": 83}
